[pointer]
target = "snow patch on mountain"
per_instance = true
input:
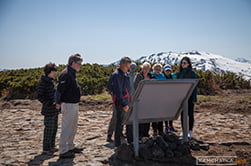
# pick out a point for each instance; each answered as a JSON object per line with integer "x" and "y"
{"x": 202, "y": 61}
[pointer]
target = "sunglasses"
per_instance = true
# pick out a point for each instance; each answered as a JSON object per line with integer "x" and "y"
{"x": 184, "y": 63}
{"x": 79, "y": 64}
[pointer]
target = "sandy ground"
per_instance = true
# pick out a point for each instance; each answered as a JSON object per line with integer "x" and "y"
{"x": 222, "y": 121}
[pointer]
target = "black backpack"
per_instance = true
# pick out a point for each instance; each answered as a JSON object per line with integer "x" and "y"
{"x": 109, "y": 85}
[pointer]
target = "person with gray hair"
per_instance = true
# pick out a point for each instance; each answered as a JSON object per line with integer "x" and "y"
{"x": 132, "y": 73}
{"x": 143, "y": 75}
{"x": 68, "y": 98}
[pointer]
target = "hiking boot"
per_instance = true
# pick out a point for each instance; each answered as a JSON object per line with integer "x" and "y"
{"x": 109, "y": 139}
{"x": 53, "y": 150}
{"x": 47, "y": 152}
{"x": 77, "y": 150}
{"x": 67, "y": 155}
{"x": 190, "y": 134}
{"x": 168, "y": 130}
{"x": 173, "y": 129}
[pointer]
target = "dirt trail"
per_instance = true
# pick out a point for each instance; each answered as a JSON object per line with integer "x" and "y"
{"x": 222, "y": 119}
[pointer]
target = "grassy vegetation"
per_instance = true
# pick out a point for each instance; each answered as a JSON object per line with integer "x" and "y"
{"x": 207, "y": 98}
{"x": 105, "y": 96}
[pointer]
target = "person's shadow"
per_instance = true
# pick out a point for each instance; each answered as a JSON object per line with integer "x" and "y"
{"x": 39, "y": 159}
{"x": 63, "y": 162}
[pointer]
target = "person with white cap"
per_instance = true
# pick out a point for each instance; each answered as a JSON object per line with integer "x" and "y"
{"x": 169, "y": 75}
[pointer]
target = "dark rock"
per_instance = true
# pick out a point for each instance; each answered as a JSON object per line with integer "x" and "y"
{"x": 161, "y": 142}
{"x": 177, "y": 154}
{"x": 195, "y": 146}
{"x": 204, "y": 147}
{"x": 157, "y": 152}
{"x": 172, "y": 146}
{"x": 169, "y": 153}
{"x": 124, "y": 153}
{"x": 145, "y": 152}
{"x": 149, "y": 142}
{"x": 184, "y": 148}
{"x": 144, "y": 140}
{"x": 170, "y": 137}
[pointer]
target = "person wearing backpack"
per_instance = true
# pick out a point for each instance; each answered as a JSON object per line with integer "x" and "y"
{"x": 169, "y": 75}
{"x": 186, "y": 72}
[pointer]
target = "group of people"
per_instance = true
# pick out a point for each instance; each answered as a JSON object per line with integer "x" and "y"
{"x": 63, "y": 99}
{"x": 122, "y": 85}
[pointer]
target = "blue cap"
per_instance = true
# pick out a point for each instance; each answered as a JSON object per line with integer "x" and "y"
{"x": 133, "y": 66}
{"x": 167, "y": 67}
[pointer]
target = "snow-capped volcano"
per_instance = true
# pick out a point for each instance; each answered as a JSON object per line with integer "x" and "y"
{"x": 202, "y": 61}
{"x": 243, "y": 60}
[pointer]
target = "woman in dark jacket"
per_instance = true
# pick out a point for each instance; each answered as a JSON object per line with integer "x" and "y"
{"x": 186, "y": 72}
{"x": 46, "y": 95}
{"x": 143, "y": 75}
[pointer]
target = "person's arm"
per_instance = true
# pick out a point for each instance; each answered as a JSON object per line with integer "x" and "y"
{"x": 136, "y": 81}
{"x": 41, "y": 92}
{"x": 62, "y": 86}
{"x": 109, "y": 85}
{"x": 194, "y": 76}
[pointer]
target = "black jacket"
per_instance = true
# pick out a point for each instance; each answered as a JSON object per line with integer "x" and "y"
{"x": 46, "y": 95}
{"x": 120, "y": 88}
{"x": 68, "y": 90}
{"x": 188, "y": 73}
{"x": 140, "y": 77}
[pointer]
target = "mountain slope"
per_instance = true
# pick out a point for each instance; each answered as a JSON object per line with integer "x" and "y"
{"x": 202, "y": 61}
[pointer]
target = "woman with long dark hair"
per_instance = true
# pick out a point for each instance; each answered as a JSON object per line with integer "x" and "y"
{"x": 186, "y": 72}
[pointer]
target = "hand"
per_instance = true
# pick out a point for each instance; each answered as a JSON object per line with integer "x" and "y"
{"x": 58, "y": 106}
{"x": 126, "y": 108}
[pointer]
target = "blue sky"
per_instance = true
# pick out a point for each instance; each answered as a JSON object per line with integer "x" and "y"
{"x": 35, "y": 32}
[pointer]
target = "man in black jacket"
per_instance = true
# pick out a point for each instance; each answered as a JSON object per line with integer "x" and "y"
{"x": 46, "y": 95}
{"x": 68, "y": 97}
{"x": 121, "y": 96}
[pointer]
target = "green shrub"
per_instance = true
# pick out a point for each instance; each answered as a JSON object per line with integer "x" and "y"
{"x": 92, "y": 78}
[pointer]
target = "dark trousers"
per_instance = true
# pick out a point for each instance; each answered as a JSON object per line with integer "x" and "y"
{"x": 118, "y": 128}
{"x": 190, "y": 114}
{"x": 158, "y": 126}
{"x": 144, "y": 129}
{"x": 129, "y": 133}
{"x": 50, "y": 131}
{"x": 169, "y": 123}
{"x": 113, "y": 122}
